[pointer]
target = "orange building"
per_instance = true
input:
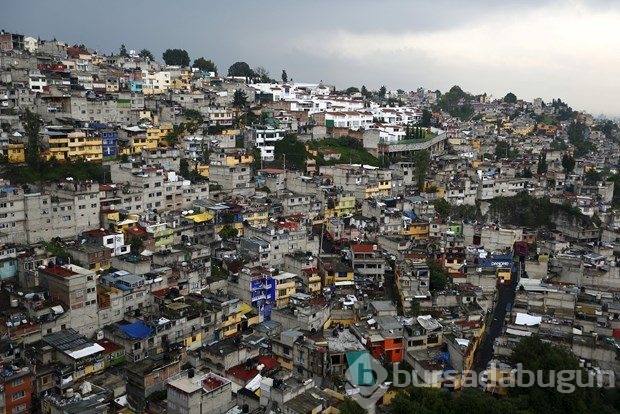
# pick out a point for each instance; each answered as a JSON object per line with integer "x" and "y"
{"x": 17, "y": 386}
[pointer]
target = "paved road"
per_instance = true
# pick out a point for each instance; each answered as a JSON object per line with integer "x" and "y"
{"x": 505, "y": 296}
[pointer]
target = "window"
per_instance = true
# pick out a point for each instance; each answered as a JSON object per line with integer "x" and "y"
{"x": 20, "y": 408}
{"x": 18, "y": 381}
{"x": 18, "y": 395}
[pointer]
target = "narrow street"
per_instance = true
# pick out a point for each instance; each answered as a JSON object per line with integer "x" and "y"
{"x": 505, "y": 295}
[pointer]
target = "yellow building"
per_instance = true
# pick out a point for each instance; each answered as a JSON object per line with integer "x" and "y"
{"x": 417, "y": 230}
{"x": 16, "y": 153}
{"x": 285, "y": 288}
{"x": 194, "y": 341}
{"x": 231, "y": 160}
{"x": 156, "y": 136}
{"x": 475, "y": 144}
{"x": 345, "y": 206}
{"x": 201, "y": 217}
{"x": 73, "y": 145}
{"x": 202, "y": 169}
{"x": 236, "y": 317}
{"x": 378, "y": 189}
{"x": 86, "y": 147}
{"x": 335, "y": 272}
{"x": 523, "y": 130}
{"x": 96, "y": 60}
{"x": 313, "y": 280}
{"x": 256, "y": 218}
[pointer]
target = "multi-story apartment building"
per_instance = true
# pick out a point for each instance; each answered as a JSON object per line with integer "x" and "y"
{"x": 255, "y": 286}
{"x": 155, "y": 83}
{"x": 67, "y": 144}
{"x": 235, "y": 179}
{"x": 145, "y": 189}
{"x": 283, "y": 238}
{"x": 64, "y": 210}
{"x": 16, "y": 390}
{"x": 190, "y": 395}
{"x": 491, "y": 188}
{"x": 362, "y": 181}
{"x": 264, "y": 138}
{"x": 12, "y": 214}
{"x": 76, "y": 288}
{"x": 368, "y": 264}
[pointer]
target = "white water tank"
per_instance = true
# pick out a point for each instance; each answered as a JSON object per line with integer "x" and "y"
{"x": 14, "y": 303}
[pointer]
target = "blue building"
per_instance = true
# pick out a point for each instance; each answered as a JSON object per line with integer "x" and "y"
{"x": 109, "y": 139}
{"x": 135, "y": 86}
{"x": 8, "y": 262}
{"x": 256, "y": 287}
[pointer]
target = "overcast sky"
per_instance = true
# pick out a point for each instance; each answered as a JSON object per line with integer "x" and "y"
{"x": 533, "y": 48}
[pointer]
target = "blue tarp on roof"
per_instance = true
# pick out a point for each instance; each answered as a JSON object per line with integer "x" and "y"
{"x": 410, "y": 214}
{"x": 137, "y": 330}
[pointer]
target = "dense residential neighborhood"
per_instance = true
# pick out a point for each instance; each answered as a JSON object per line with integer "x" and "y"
{"x": 178, "y": 239}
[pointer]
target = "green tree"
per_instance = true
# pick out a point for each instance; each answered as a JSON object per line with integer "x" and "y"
{"x": 365, "y": 92}
{"x": 382, "y": 91}
{"x": 123, "y": 51}
{"x": 240, "y": 69}
{"x": 240, "y": 99}
{"x": 284, "y": 76}
{"x": 415, "y": 307}
{"x": 193, "y": 115}
{"x": 503, "y": 150}
{"x": 351, "y": 90}
{"x": 592, "y": 177}
{"x": 568, "y": 163}
{"x": 176, "y": 57}
{"x": 457, "y": 103}
{"x": 351, "y": 407}
{"x": 546, "y": 359}
{"x": 262, "y": 74}
{"x": 438, "y": 275}
{"x": 510, "y": 98}
{"x": 32, "y": 127}
{"x": 205, "y": 65}
{"x": 184, "y": 168}
{"x": 422, "y": 161}
{"x": 174, "y": 135}
{"x": 146, "y": 54}
{"x": 442, "y": 207}
{"x": 426, "y": 118}
{"x": 292, "y": 150}
{"x": 228, "y": 232}
{"x": 541, "y": 168}
{"x": 136, "y": 245}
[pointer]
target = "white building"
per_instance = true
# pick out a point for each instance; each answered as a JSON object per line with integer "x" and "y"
{"x": 264, "y": 138}
{"x": 37, "y": 82}
{"x": 155, "y": 82}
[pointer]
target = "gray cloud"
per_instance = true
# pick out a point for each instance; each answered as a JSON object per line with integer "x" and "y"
{"x": 533, "y": 48}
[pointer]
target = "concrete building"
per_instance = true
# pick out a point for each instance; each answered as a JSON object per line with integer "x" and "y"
{"x": 196, "y": 395}
{"x": 76, "y": 288}
{"x": 264, "y": 138}
{"x": 233, "y": 179}
{"x": 12, "y": 215}
{"x": 368, "y": 264}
